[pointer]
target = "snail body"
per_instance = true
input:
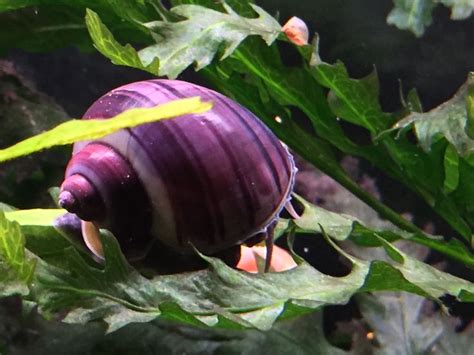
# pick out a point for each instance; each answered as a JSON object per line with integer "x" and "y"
{"x": 211, "y": 180}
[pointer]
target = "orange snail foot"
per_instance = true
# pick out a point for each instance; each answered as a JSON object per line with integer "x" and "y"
{"x": 250, "y": 256}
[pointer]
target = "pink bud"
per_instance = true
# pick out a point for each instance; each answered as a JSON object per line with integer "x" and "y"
{"x": 296, "y": 31}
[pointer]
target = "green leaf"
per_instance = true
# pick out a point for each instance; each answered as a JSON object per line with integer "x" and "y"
{"x": 196, "y": 39}
{"x": 423, "y": 171}
{"x": 290, "y": 87}
{"x": 43, "y": 29}
{"x": 16, "y": 269}
{"x": 219, "y": 296}
{"x": 254, "y": 68}
{"x": 300, "y": 336}
{"x": 416, "y": 15}
{"x": 448, "y": 120}
{"x": 460, "y": 9}
{"x": 44, "y": 25}
{"x": 42, "y": 238}
{"x": 341, "y": 227}
{"x": 432, "y": 281}
{"x": 105, "y": 43}
{"x": 353, "y": 100}
{"x": 413, "y": 15}
{"x": 223, "y": 297}
{"x": 451, "y": 169}
{"x": 204, "y": 32}
{"x": 120, "y": 295}
{"x": 131, "y": 10}
{"x": 35, "y": 217}
{"x": 77, "y": 130}
{"x": 7, "y": 5}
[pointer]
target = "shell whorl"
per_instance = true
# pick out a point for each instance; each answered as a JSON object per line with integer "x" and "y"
{"x": 213, "y": 179}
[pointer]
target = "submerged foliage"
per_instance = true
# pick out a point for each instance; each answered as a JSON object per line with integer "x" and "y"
{"x": 235, "y": 46}
{"x": 416, "y": 15}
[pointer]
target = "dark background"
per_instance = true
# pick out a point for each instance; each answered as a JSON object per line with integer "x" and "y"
{"x": 352, "y": 31}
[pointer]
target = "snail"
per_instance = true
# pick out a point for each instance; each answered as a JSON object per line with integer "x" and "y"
{"x": 208, "y": 181}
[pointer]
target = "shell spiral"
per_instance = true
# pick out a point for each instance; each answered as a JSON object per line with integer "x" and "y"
{"x": 213, "y": 179}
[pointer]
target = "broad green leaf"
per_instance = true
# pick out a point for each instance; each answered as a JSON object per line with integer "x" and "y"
{"x": 413, "y": 15}
{"x": 353, "y": 100}
{"x": 243, "y": 8}
{"x": 423, "y": 171}
{"x": 105, "y": 43}
{"x": 416, "y": 15}
{"x": 204, "y": 32}
{"x": 38, "y": 227}
{"x": 7, "y": 5}
{"x": 434, "y": 282}
{"x": 44, "y": 25}
{"x": 196, "y": 39}
{"x": 289, "y": 87}
{"x": 423, "y": 279}
{"x": 223, "y": 297}
{"x": 448, "y": 120}
{"x": 77, "y": 130}
{"x": 399, "y": 158}
{"x": 16, "y": 268}
{"x": 120, "y": 295}
{"x": 43, "y": 29}
{"x": 35, "y": 217}
{"x": 130, "y": 10}
{"x": 254, "y": 68}
{"x": 299, "y": 336}
{"x": 341, "y": 227}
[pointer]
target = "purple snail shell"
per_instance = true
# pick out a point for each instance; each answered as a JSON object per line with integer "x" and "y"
{"x": 212, "y": 180}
